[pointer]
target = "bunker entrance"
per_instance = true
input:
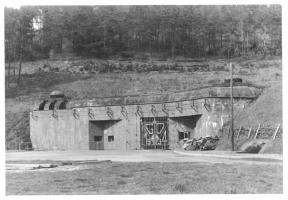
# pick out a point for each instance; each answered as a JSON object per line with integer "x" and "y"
{"x": 96, "y": 133}
{"x": 154, "y": 133}
{"x": 185, "y": 126}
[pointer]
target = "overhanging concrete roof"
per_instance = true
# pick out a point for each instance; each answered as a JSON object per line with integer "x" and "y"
{"x": 244, "y": 92}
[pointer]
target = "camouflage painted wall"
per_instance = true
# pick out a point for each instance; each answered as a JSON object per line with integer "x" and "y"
{"x": 217, "y": 115}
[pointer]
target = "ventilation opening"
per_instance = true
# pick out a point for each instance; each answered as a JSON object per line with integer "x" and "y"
{"x": 51, "y": 106}
{"x": 62, "y": 105}
{"x": 42, "y": 105}
{"x": 110, "y": 138}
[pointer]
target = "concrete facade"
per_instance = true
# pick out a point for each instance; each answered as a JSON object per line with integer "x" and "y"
{"x": 119, "y": 127}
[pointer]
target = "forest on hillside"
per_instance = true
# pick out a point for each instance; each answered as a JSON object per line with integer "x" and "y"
{"x": 37, "y": 32}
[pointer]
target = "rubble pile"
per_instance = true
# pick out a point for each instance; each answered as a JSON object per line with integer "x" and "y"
{"x": 201, "y": 144}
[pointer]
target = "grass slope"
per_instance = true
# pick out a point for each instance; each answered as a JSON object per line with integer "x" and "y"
{"x": 267, "y": 109}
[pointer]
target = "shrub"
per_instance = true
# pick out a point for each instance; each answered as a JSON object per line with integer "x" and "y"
{"x": 180, "y": 187}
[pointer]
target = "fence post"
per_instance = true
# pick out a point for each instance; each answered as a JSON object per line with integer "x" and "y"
{"x": 239, "y": 132}
{"x": 276, "y": 131}
{"x": 249, "y": 132}
{"x": 257, "y": 131}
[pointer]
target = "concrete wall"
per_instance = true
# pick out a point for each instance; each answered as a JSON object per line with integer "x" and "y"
{"x": 62, "y": 133}
{"x": 126, "y": 134}
{"x": 68, "y": 133}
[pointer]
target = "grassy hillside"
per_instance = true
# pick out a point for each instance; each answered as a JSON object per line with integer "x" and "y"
{"x": 267, "y": 109}
{"x": 91, "y": 82}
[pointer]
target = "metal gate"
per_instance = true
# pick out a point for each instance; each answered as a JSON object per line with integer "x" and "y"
{"x": 154, "y": 133}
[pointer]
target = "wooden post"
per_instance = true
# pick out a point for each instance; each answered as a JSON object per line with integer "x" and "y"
{"x": 249, "y": 132}
{"x": 239, "y": 132}
{"x": 276, "y": 131}
{"x": 231, "y": 98}
{"x": 257, "y": 132}
{"x": 136, "y": 132}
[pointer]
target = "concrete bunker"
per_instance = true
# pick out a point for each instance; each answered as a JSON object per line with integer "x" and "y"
{"x": 60, "y": 123}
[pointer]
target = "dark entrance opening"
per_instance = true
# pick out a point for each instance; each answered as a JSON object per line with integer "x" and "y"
{"x": 154, "y": 133}
{"x": 188, "y": 124}
{"x": 42, "y": 105}
{"x": 110, "y": 138}
{"x": 97, "y": 138}
{"x": 96, "y": 133}
{"x": 183, "y": 135}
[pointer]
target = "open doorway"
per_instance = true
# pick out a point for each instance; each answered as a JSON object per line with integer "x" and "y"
{"x": 96, "y": 133}
{"x": 184, "y": 126}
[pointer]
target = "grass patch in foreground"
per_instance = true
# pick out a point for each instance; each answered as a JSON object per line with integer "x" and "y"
{"x": 150, "y": 178}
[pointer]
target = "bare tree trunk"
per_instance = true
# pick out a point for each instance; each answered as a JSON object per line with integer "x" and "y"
{"x": 150, "y": 48}
{"x": 20, "y": 60}
{"x": 214, "y": 43}
{"x": 247, "y": 44}
{"x": 198, "y": 48}
{"x": 20, "y": 68}
{"x": 172, "y": 49}
{"x": 158, "y": 40}
{"x": 104, "y": 36}
{"x": 209, "y": 42}
{"x": 221, "y": 41}
{"x": 172, "y": 44}
{"x": 14, "y": 60}
{"x": 60, "y": 44}
{"x": 9, "y": 67}
{"x": 204, "y": 50}
{"x": 128, "y": 43}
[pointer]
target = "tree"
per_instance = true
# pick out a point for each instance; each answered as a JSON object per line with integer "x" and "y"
{"x": 192, "y": 31}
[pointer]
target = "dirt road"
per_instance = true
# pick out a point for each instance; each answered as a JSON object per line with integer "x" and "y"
{"x": 144, "y": 156}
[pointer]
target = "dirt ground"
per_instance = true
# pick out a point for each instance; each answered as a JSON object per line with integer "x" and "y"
{"x": 142, "y": 172}
{"x": 148, "y": 178}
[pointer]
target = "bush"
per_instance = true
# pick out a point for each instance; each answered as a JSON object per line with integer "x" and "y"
{"x": 180, "y": 187}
